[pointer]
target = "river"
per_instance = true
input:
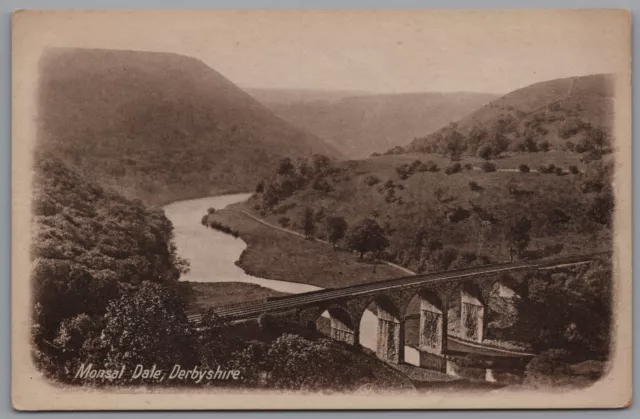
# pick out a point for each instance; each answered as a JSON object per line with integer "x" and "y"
{"x": 212, "y": 256}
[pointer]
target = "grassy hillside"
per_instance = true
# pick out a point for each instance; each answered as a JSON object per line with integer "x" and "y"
{"x": 559, "y": 112}
{"x": 434, "y": 220}
{"x": 359, "y": 125}
{"x": 159, "y": 126}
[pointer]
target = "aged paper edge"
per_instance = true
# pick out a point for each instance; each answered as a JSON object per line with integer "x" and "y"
{"x": 31, "y": 392}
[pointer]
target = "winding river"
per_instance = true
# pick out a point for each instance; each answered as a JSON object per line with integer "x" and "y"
{"x": 212, "y": 256}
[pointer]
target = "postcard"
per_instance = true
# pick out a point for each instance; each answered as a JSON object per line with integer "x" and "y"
{"x": 251, "y": 209}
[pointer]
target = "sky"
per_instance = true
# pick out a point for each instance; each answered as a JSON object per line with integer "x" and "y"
{"x": 374, "y": 51}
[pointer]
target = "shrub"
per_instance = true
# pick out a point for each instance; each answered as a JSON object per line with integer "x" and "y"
{"x": 284, "y": 221}
{"x": 544, "y": 145}
{"x": 454, "y": 168}
{"x": 559, "y": 171}
{"x": 523, "y": 168}
{"x": 211, "y": 211}
{"x": 475, "y": 187}
{"x": 431, "y": 166}
{"x": 570, "y": 127}
{"x": 519, "y": 146}
{"x": 260, "y": 187}
{"x": 484, "y": 152}
{"x": 488, "y": 167}
{"x": 571, "y": 146}
{"x": 574, "y": 169}
{"x": 530, "y": 145}
{"x": 468, "y": 166}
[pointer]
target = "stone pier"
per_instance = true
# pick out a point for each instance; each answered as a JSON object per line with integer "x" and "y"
{"x": 390, "y": 339}
{"x": 472, "y": 315}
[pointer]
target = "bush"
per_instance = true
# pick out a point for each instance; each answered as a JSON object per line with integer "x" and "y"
{"x": 530, "y": 145}
{"x": 211, "y": 211}
{"x": 488, "y": 167}
{"x": 523, "y": 168}
{"x": 519, "y": 146}
{"x": 371, "y": 180}
{"x": 570, "y": 127}
{"x": 284, "y": 221}
{"x": 454, "y": 168}
{"x": 475, "y": 187}
{"x": 484, "y": 152}
{"x": 559, "y": 171}
{"x": 468, "y": 166}
{"x": 544, "y": 145}
{"x": 224, "y": 228}
{"x": 574, "y": 170}
{"x": 431, "y": 166}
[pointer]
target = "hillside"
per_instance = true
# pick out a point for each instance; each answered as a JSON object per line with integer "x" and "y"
{"x": 159, "y": 126}
{"x": 360, "y": 124}
{"x": 437, "y": 218}
{"x": 559, "y": 113}
{"x": 90, "y": 246}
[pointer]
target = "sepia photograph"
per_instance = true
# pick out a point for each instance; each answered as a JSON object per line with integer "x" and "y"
{"x": 321, "y": 209}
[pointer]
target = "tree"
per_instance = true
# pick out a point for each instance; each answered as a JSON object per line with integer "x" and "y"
{"x": 147, "y": 326}
{"x": 598, "y": 138}
{"x": 455, "y": 145}
{"x": 285, "y": 166}
{"x": 477, "y": 137}
{"x": 336, "y": 229}
{"x": 484, "y": 152}
{"x": 320, "y": 162}
{"x": 367, "y": 236}
{"x": 308, "y": 223}
{"x": 518, "y": 236}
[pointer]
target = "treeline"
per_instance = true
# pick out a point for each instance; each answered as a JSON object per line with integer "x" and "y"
{"x": 209, "y": 223}
{"x": 512, "y": 133}
{"x": 293, "y": 175}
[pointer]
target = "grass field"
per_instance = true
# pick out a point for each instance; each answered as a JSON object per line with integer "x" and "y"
{"x": 203, "y": 295}
{"x": 278, "y": 255}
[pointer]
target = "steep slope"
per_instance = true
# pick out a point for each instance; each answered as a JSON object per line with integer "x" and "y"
{"x": 361, "y": 124}
{"x": 89, "y": 245}
{"x": 159, "y": 126}
{"x": 556, "y": 111}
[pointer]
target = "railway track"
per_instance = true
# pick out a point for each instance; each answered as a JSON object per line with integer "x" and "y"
{"x": 254, "y": 309}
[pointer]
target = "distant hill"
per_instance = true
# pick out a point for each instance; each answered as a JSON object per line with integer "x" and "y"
{"x": 159, "y": 126}
{"x": 555, "y": 111}
{"x": 359, "y": 124}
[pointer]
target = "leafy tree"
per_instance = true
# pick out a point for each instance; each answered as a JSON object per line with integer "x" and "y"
{"x": 530, "y": 145}
{"x": 484, "y": 152}
{"x": 285, "y": 166}
{"x": 321, "y": 162}
{"x": 488, "y": 167}
{"x": 523, "y": 168}
{"x": 477, "y": 137}
{"x": 544, "y": 145}
{"x": 336, "y": 228}
{"x": 518, "y": 235}
{"x": 601, "y": 209}
{"x": 147, "y": 326}
{"x": 308, "y": 222}
{"x": 455, "y": 145}
{"x": 367, "y": 236}
{"x": 598, "y": 138}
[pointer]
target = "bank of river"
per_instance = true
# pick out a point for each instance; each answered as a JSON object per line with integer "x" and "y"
{"x": 212, "y": 256}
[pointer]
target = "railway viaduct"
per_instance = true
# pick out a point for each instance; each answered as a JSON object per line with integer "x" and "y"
{"x": 391, "y": 298}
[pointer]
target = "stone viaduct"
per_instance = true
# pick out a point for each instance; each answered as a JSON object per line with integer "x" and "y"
{"x": 391, "y": 298}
